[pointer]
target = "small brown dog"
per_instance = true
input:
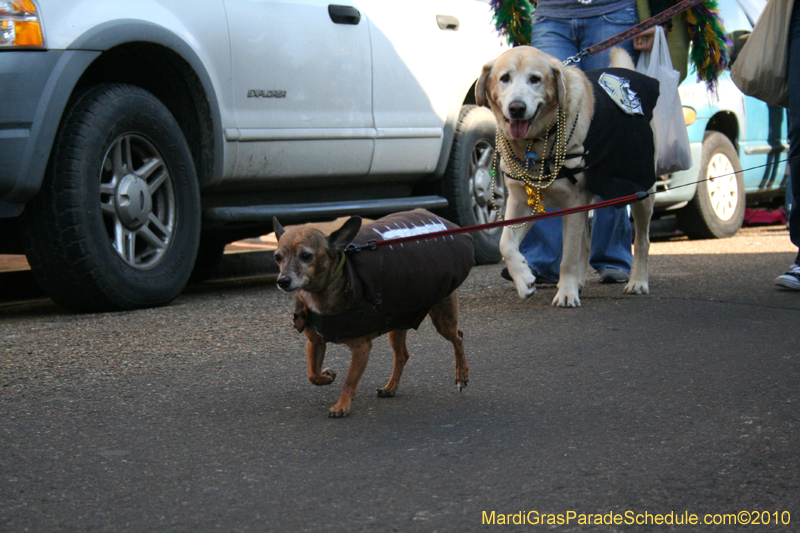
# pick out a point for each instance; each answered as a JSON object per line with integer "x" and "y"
{"x": 351, "y": 297}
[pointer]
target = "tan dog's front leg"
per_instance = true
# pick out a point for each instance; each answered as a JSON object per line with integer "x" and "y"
{"x": 360, "y": 348}
{"x": 518, "y": 269}
{"x": 315, "y": 354}
{"x": 573, "y": 260}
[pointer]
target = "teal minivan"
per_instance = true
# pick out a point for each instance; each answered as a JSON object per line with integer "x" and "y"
{"x": 728, "y": 132}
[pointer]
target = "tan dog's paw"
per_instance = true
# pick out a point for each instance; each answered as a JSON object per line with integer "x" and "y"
{"x": 461, "y": 384}
{"x": 564, "y": 299}
{"x": 637, "y": 287}
{"x": 525, "y": 286}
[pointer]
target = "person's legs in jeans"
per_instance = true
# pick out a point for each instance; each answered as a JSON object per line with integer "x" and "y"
{"x": 542, "y": 244}
{"x": 611, "y": 227}
{"x": 611, "y": 235}
{"x": 542, "y": 247}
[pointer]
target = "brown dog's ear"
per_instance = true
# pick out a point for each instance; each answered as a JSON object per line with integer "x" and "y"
{"x": 561, "y": 82}
{"x": 339, "y": 239}
{"x": 277, "y": 228}
{"x": 480, "y": 86}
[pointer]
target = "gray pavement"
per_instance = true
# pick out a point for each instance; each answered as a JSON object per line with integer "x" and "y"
{"x": 199, "y": 417}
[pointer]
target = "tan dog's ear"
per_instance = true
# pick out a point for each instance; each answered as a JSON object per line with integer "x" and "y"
{"x": 339, "y": 239}
{"x": 561, "y": 81}
{"x": 480, "y": 87}
{"x": 277, "y": 228}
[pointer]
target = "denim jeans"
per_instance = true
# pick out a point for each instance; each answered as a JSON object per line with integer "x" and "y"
{"x": 794, "y": 126}
{"x": 611, "y": 233}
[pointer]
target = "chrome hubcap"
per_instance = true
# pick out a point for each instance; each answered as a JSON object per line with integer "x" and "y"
{"x": 485, "y": 198}
{"x": 133, "y": 201}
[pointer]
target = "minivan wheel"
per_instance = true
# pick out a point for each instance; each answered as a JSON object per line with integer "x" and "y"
{"x": 474, "y": 198}
{"x": 717, "y": 209}
{"x": 116, "y": 224}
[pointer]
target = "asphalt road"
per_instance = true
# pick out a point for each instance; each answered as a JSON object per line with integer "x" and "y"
{"x": 199, "y": 416}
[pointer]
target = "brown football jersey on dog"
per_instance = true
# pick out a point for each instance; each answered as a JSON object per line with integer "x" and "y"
{"x": 393, "y": 287}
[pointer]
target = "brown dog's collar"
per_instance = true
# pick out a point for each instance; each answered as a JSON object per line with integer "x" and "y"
{"x": 337, "y": 273}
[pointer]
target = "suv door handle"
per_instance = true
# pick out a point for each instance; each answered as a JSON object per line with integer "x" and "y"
{"x": 344, "y": 14}
{"x": 447, "y": 22}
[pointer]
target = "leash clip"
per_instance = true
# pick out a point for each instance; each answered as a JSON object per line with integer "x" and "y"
{"x": 355, "y": 248}
{"x": 576, "y": 58}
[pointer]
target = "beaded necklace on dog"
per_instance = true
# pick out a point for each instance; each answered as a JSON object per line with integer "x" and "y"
{"x": 535, "y": 184}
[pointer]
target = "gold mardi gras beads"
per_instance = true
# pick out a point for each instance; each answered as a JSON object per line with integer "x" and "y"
{"x": 535, "y": 184}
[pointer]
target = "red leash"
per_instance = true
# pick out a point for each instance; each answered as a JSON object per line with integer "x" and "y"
{"x": 373, "y": 245}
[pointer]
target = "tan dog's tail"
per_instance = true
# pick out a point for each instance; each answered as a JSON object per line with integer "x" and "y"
{"x": 621, "y": 59}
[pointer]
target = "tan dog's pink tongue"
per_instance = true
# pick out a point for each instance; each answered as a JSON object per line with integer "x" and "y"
{"x": 519, "y": 128}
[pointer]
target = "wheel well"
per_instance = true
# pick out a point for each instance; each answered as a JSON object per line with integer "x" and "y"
{"x": 469, "y": 99}
{"x": 725, "y": 122}
{"x": 169, "y": 77}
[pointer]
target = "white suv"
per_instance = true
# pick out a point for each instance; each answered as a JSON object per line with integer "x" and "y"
{"x": 137, "y": 137}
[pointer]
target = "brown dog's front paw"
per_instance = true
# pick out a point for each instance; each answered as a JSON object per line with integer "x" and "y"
{"x": 385, "y": 393}
{"x": 325, "y": 377}
{"x": 337, "y": 412}
{"x": 461, "y": 384}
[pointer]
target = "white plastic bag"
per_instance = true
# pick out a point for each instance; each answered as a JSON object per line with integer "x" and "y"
{"x": 669, "y": 128}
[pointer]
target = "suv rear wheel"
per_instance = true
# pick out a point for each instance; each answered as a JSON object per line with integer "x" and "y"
{"x": 116, "y": 224}
{"x": 717, "y": 209}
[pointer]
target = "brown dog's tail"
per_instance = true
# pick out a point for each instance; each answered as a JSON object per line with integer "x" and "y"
{"x": 621, "y": 59}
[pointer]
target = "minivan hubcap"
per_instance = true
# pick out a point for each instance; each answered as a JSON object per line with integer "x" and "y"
{"x": 723, "y": 191}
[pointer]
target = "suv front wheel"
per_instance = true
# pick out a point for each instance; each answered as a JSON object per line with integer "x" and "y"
{"x": 116, "y": 224}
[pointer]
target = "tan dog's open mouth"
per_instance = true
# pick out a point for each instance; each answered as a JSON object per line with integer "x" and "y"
{"x": 519, "y": 128}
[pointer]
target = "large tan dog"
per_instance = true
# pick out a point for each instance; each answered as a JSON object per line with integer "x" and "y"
{"x": 535, "y": 100}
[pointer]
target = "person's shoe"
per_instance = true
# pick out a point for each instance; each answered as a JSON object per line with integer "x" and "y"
{"x": 790, "y": 280}
{"x": 613, "y": 275}
{"x": 540, "y": 279}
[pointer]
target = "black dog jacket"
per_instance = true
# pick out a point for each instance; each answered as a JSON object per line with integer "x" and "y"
{"x": 393, "y": 287}
{"x": 619, "y": 147}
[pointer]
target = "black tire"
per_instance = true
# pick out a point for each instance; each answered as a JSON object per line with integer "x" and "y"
{"x": 116, "y": 224}
{"x": 467, "y": 183}
{"x": 717, "y": 209}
